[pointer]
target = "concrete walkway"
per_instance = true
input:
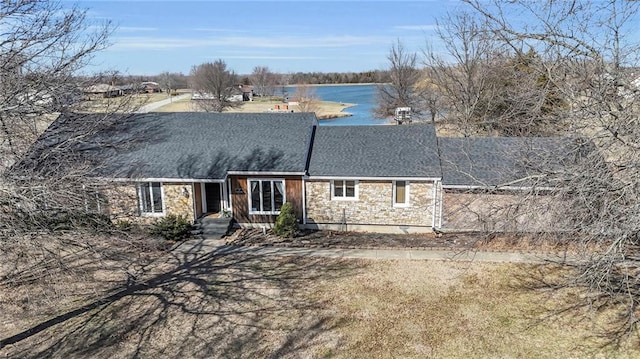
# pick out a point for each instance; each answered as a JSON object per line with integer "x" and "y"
{"x": 203, "y": 246}
{"x": 156, "y": 105}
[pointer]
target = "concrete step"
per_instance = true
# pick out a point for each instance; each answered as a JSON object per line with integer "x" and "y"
{"x": 212, "y": 227}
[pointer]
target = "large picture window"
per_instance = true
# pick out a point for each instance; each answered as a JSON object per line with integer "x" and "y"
{"x": 344, "y": 189}
{"x": 266, "y": 196}
{"x": 150, "y": 198}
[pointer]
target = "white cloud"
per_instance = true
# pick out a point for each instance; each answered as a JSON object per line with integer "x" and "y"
{"x": 267, "y": 57}
{"x": 216, "y": 29}
{"x": 415, "y": 27}
{"x": 283, "y": 42}
{"x": 136, "y": 28}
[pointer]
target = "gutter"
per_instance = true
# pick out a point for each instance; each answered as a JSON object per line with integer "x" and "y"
{"x": 259, "y": 173}
{"x": 425, "y": 179}
{"x": 498, "y": 187}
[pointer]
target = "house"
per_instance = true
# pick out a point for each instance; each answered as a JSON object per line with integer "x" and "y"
{"x": 150, "y": 87}
{"x": 247, "y": 92}
{"x": 401, "y": 179}
{"x": 102, "y": 90}
{"x": 129, "y": 89}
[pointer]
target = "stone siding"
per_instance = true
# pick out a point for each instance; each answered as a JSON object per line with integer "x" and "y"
{"x": 498, "y": 212}
{"x": 123, "y": 201}
{"x": 374, "y": 205}
{"x": 176, "y": 202}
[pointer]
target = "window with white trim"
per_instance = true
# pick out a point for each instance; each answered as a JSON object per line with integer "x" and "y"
{"x": 400, "y": 193}
{"x": 344, "y": 189}
{"x": 266, "y": 196}
{"x": 150, "y": 198}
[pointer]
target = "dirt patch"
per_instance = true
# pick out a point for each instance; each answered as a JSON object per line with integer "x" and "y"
{"x": 355, "y": 240}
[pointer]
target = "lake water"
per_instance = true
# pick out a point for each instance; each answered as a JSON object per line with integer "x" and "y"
{"x": 364, "y": 96}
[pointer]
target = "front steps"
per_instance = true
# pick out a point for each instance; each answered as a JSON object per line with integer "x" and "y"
{"x": 210, "y": 227}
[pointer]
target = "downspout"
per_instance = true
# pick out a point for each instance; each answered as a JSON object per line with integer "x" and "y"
{"x": 435, "y": 203}
{"x": 193, "y": 202}
{"x": 304, "y": 201}
{"x": 441, "y": 206}
{"x": 312, "y": 137}
{"x": 228, "y": 194}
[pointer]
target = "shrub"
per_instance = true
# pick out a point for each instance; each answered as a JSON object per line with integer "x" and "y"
{"x": 124, "y": 225}
{"x": 61, "y": 220}
{"x": 172, "y": 227}
{"x": 286, "y": 224}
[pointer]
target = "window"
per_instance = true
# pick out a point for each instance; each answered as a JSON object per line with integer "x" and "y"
{"x": 94, "y": 200}
{"x": 266, "y": 196}
{"x": 150, "y": 198}
{"x": 344, "y": 189}
{"x": 400, "y": 193}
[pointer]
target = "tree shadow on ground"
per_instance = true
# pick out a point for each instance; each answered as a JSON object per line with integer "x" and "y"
{"x": 194, "y": 303}
{"x": 602, "y": 320}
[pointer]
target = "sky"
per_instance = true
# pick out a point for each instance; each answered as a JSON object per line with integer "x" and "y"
{"x": 151, "y": 37}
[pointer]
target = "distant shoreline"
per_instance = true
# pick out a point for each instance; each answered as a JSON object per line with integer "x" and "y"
{"x": 342, "y": 84}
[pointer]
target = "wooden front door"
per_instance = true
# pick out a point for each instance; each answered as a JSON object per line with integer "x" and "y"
{"x": 212, "y": 197}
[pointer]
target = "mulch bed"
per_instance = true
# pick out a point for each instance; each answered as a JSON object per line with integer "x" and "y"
{"x": 355, "y": 240}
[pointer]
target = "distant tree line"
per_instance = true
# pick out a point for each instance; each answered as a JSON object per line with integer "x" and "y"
{"x": 375, "y": 76}
{"x": 262, "y": 76}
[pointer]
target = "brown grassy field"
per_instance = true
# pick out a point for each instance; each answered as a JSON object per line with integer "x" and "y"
{"x": 323, "y": 109}
{"x": 221, "y": 305}
{"x": 120, "y": 104}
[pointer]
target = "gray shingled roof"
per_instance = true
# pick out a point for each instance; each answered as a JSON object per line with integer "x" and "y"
{"x": 375, "y": 151}
{"x": 185, "y": 145}
{"x": 499, "y": 161}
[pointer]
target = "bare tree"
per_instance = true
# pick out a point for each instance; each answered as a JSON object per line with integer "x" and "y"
{"x": 485, "y": 86}
{"x": 430, "y": 95}
{"x": 590, "y": 57}
{"x": 166, "y": 82}
{"x": 263, "y": 80}
{"x": 215, "y": 84}
{"x": 402, "y": 91}
{"x": 42, "y": 47}
{"x": 306, "y": 98}
{"x": 50, "y": 185}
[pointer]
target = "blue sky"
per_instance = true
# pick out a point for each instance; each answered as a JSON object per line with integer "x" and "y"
{"x": 156, "y": 36}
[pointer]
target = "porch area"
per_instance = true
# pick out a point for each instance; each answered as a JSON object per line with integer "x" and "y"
{"x": 211, "y": 200}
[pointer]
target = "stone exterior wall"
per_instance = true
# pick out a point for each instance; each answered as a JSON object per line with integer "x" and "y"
{"x": 175, "y": 200}
{"x": 123, "y": 201}
{"x": 374, "y": 205}
{"x": 465, "y": 211}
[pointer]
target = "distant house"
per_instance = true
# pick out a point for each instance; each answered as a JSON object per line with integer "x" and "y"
{"x": 247, "y": 92}
{"x": 102, "y": 90}
{"x": 401, "y": 179}
{"x": 132, "y": 89}
{"x": 151, "y": 87}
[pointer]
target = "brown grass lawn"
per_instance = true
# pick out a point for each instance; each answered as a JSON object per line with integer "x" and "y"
{"x": 122, "y": 103}
{"x": 323, "y": 109}
{"x": 221, "y": 305}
